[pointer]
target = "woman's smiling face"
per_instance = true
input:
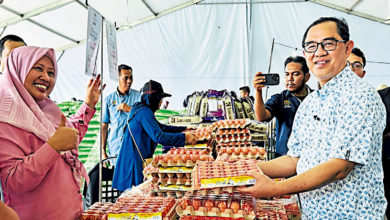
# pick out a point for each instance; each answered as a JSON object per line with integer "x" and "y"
{"x": 41, "y": 79}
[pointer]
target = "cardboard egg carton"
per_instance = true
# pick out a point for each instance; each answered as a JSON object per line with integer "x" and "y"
{"x": 172, "y": 178}
{"x": 198, "y": 146}
{"x": 243, "y": 152}
{"x": 204, "y": 134}
{"x": 98, "y": 210}
{"x": 233, "y": 138}
{"x": 167, "y": 193}
{"x": 174, "y": 170}
{"x": 231, "y": 131}
{"x": 182, "y": 188}
{"x": 179, "y": 160}
{"x": 231, "y": 206}
{"x": 220, "y": 174}
{"x": 216, "y": 191}
{"x": 284, "y": 207}
{"x": 235, "y": 144}
{"x": 174, "y": 191}
{"x": 143, "y": 208}
{"x": 231, "y": 123}
{"x": 181, "y": 150}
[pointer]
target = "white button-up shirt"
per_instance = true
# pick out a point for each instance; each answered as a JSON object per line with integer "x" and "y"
{"x": 345, "y": 120}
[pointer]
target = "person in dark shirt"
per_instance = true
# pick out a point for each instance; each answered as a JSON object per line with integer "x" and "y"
{"x": 385, "y": 95}
{"x": 142, "y": 133}
{"x": 284, "y": 105}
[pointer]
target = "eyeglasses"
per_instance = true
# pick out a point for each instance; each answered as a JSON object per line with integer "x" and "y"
{"x": 327, "y": 45}
{"x": 355, "y": 65}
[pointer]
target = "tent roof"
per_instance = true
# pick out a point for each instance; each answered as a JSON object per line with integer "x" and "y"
{"x": 376, "y": 10}
{"x": 62, "y": 24}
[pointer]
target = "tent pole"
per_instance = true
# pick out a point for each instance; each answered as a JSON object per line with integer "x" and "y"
{"x": 269, "y": 65}
{"x": 270, "y": 127}
{"x": 101, "y": 115}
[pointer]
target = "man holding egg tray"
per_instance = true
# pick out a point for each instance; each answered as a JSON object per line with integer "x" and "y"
{"x": 335, "y": 148}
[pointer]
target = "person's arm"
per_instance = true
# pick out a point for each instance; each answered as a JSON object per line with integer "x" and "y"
{"x": 84, "y": 114}
{"x": 318, "y": 176}
{"x": 80, "y": 120}
{"x": 171, "y": 129}
{"x": 7, "y": 213}
{"x": 280, "y": 167}
{"x": 261, "y": 113}
{"x": 104, "y": 139}
{"x": 152, "y": 128}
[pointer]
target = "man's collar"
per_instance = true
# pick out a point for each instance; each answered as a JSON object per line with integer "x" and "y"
{"x": 309, "y": 90}
{"x": 333, "y": 82}
{"x": 121, "y": 94}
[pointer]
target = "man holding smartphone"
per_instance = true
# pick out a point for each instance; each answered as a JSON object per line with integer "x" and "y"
{"x": 284, "y": 105}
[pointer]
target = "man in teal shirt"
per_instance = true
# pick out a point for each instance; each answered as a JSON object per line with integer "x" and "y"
{"x": 117, "y": 106}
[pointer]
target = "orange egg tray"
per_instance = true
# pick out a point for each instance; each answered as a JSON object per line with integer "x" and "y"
{"x": 230, "y": 206}
{"x": 243, "y": 152}
{"x": 217, "y": 174}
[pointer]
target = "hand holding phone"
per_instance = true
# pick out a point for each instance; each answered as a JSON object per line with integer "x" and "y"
{"x": 260, "y": 80}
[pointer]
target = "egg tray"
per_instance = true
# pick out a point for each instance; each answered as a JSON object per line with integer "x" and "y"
{"x": 229, "y": 124}
{"x": 233, "y": 159}
{"x": 233, "y": 138}
{"x": 220, "y": 174}
{"x": 286, "y": 206}
{"x": 172, "y": 179}
{"x": 181, "y": 150}
{"x": 143, "y": 208}
{"x": 142, "y": 190}
{"x": 204, "y": 134}
{"x": 232, "y": 131}
{"x": 181, "y": 188}
{"x": 198, "y": 146}
{"x": 172, "y": 194}
{"x": 174, "y": 170}
{"x": 257, "y": 153}
{"x": 273, "y": 214}
{"x": 179, "y": 160}
{"x": 97, "y": 211}
{"x": 232, "y": 206}
{"x": 235, "y": 144}
{"x": 215, "y": 191}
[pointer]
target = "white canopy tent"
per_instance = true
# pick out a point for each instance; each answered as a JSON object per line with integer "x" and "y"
{"x": 206, "y": 44}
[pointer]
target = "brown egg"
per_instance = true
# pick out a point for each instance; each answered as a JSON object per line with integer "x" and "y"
{"x": 209, "y": 205}
{"x": 235, "y": 206}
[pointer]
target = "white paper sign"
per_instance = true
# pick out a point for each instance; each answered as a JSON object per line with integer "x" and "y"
{"x": 93, "y": 36}
{"x": 112, "y": 50}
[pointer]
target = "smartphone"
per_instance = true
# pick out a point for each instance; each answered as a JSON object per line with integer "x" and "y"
{"x": 271, "y": 79}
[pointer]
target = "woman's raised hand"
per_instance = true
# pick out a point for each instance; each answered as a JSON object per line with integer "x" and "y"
{"x": 93, "y": 92}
